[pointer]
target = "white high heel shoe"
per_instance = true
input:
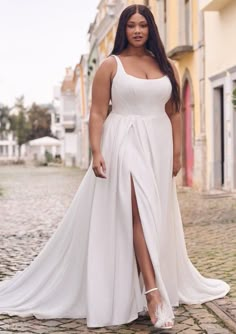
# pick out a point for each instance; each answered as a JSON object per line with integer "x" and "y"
{"x": 161, "y": 316}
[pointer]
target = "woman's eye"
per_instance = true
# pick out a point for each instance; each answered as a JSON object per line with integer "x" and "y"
{"x": 132, "y": 26}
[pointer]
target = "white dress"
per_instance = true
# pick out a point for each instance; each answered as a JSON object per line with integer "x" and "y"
{"x": 88, "y": 269}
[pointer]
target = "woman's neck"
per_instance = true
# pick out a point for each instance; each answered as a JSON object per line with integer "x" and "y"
{"x": 138, "y": 52}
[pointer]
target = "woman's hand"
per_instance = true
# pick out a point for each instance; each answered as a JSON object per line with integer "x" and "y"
{"x": 176, "y": 164}
{"x": 99, "y": 166}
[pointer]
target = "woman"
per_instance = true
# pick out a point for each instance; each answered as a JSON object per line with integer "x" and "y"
{"x": 121, "y": 239}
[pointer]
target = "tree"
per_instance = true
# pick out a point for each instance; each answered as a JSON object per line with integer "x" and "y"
{"x": 40, "y": 121}
{"x": 19, "y": 123}
{"x": 4, "y": 118}
{"x": 20, "y": 103}
{"x": 29, "y": 123}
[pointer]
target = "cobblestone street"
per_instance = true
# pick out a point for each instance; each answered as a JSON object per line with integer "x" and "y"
{"x": 34, "y": 200}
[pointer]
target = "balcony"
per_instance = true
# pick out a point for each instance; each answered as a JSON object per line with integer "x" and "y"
{"x": 179, "y": 51}
{"x": 213, "y": 5}
{"x": 69, "y": 121}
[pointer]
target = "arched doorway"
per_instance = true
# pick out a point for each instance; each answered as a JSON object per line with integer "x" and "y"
{"x": 187, "y": 136}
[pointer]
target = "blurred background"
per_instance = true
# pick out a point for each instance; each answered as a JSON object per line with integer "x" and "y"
{"x": 50, "y": 51}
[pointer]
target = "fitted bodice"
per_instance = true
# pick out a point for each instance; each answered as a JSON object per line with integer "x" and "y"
{"x": 136, "y": 96}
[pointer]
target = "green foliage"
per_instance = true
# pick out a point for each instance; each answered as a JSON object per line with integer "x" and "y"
{"x": 4, "y": 118}
{"x": 19, "y": 123}
{"x": 21, "y": 127}
{"x": 40, "y": 121}
{"x": 234, "y": 98}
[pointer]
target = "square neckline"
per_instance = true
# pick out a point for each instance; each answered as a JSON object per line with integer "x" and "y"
{"x": 132, "y": 76}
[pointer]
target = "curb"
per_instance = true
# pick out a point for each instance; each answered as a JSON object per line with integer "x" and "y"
{"x": 224, "y": 317}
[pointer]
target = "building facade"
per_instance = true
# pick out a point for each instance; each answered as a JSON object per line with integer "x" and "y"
{"x": 9, "y": 150}
{"x": 65, "y": 120}
{"x": 8, "y": 147}
{"x": 69, "y": 116}
{"x": 220, "y": 80}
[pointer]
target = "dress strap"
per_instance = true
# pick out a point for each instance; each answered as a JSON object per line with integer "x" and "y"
{"x": 118, "y": 62}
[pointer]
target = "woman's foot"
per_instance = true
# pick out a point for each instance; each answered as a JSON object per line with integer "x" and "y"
{"x": 154, "y": 305}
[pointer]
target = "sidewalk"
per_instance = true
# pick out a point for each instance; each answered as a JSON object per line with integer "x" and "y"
{"x": 210, "y": 231}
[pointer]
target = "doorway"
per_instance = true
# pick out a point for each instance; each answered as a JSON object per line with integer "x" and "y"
{"x": 219, "y": 137}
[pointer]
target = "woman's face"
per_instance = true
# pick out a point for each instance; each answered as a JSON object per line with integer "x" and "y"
{"x": 137, "y": 30}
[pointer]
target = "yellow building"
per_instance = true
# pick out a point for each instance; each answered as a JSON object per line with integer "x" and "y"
{"x": 194, "y": 34}
{"x": 181, "y": 30}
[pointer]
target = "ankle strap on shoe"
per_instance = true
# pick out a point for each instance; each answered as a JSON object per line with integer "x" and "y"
{"x": 154, "y": 289}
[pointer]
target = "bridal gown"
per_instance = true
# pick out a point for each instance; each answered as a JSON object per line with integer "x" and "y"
{"x": 88, "y": 269}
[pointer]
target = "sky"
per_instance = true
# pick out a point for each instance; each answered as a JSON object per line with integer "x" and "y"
{"x": 38, "y": 40}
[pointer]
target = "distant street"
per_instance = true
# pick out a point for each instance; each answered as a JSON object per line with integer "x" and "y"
{"x": 33, "y": 202}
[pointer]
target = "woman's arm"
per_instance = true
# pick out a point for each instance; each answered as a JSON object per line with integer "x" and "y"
{"x": 176, "y": 122}
{"x": 100, "y": 100}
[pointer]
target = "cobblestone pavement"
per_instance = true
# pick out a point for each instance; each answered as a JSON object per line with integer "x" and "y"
{"x": 32, "y": 203}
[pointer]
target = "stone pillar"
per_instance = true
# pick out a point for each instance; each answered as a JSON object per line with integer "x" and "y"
{"x": 42, "y": 152}
{"x": 200, "y": 163}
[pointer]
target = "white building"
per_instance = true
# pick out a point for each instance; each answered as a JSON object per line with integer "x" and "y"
{"x": 8, "y": 147}
{"x": 220, "y": 78}
{"x": 57, "y": 128}
{"x": 65, "y": 120}
{"x": 9, "y": 151}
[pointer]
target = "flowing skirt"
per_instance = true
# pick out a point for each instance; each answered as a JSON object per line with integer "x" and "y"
{"x": 88, "y": 268}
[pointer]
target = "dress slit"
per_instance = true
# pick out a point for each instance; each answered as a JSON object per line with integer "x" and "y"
{"x": 149, "y": 207}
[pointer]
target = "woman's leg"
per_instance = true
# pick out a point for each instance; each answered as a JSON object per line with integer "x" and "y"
{"x": 143, "y": 259}
{"x": 140, "y": 247}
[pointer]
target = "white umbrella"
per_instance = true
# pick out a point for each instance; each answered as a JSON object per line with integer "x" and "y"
{"x": 45, "y": 141}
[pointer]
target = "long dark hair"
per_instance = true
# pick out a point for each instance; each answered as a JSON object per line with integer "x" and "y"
{"x": 153, "y": 44}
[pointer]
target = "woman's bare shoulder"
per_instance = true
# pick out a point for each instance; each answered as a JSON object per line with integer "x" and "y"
{"x": 107, "y": 67}
{"x": 108, "y": 64}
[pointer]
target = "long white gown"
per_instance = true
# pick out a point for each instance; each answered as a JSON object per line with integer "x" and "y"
{"x": 88, "y": 269}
